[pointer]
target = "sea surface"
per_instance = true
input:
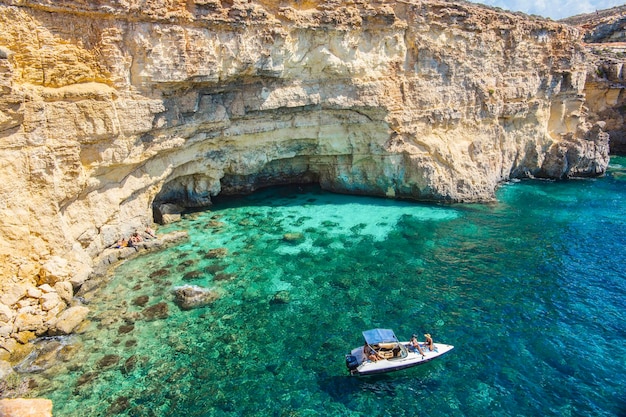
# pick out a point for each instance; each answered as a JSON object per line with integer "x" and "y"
{"x": 531, "y": 291}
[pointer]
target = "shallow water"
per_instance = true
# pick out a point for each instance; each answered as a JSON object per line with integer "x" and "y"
{"x": 531, "y": 290}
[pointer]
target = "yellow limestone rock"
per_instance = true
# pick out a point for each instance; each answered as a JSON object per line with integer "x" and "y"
{"x": 69, "y": 320}
{"x": 26, "y": 407}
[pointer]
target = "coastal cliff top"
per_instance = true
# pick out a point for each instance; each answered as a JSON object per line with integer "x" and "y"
{"x": 602, "y": 26}
{"x": 337, "y": 13}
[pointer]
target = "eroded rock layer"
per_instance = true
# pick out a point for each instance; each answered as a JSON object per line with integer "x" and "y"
{"x": 111, "y": 108}
{"x": 605, "y": 34}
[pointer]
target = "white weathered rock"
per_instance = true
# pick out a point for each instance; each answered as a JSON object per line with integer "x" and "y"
{"x": 13, "y": 293}
{"x": 81, "y": 274}
{"x": 69, "y": 319}
{"x": 26, "y": 302}
{"x": 6, "y": 314}
{"x": 5, "y": 330}
{"x": 33, "y": 292}
{"x": 31, "y": 309}
{"x": 8, "y": 344}
{"x": 29, "y": 320}
{"x": 54, "y": 269}
{"x": 5, "y": 370}
{"x": 65, "y": 290}
{"x": 50, "y": 301}
{"x": 51, "y": 316}
{"x": 46, "y": 288}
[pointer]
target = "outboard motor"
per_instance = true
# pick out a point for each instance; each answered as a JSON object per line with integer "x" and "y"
{"x": 352, "y": 362}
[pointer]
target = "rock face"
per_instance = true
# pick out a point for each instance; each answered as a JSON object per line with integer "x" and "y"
{"x": 111, "y": 109}
{"x": 605, "y": 92}
{"x": 603, "y": 26}
{"x": 605, "y": 37}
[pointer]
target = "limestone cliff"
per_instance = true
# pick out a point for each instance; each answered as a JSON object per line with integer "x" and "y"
{"x": 604, "y": 92}
{"x": 111, "y": 108}
{"x": 604, "y": 33}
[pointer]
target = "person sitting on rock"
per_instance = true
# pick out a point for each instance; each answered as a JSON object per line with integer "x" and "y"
{"x": 150, "y": 232}
{"x": 135, "y": 238}
{"x": 122, "y": 243}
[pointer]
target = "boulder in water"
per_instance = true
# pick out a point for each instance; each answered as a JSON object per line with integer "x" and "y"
{"x": 192, "y": 296}
{"x": 69, "y": 320}
{"x": 293, "y": 237}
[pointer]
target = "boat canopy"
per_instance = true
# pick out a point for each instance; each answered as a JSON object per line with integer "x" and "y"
{"x": 375, "y": 336}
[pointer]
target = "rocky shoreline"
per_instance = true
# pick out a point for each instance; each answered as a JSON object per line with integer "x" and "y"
{"x": 29, "y": 311}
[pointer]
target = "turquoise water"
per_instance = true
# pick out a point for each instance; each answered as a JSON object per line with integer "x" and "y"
{"x": 531, "y": 290}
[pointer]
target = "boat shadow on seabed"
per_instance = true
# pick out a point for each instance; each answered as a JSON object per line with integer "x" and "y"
{"x": 344, "y": 388}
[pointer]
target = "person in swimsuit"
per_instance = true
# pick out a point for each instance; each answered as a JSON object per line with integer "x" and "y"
{"x": 429, "y": 341}
{"x": 415, "y": 344}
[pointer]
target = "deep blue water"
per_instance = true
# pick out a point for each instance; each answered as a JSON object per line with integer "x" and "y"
{"x": 531, "y": 290}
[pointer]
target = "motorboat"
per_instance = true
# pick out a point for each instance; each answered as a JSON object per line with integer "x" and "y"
{"x": 391, "y": 354}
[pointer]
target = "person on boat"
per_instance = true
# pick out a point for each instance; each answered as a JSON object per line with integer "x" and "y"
{"x": 415, "y": 344}
{"x": 370, "y": 353}
{"x": 429, "y": 341}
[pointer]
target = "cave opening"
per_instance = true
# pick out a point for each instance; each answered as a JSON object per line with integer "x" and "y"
{"x": 198, "y": 191}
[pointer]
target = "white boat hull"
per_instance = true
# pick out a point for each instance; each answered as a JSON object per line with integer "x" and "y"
{"x": 412, "y": 358}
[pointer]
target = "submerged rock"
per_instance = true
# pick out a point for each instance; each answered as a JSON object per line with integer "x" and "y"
{"x": 125, "y": 328}
{"x": 191, "y": 296}
{"x": 86, "y": 378}
{"x": 108, "y": 361}
{"x": 187, "y": 263}
{"x": 281, "y": 297}
{"x": 159, "y": 273}
{"x": 212, "y": 269}
{"x": 129, "y": 364}
{"x": 293, "y": 237}
{"x": 193, "y": 275}
{"x": 156, "y": 312}
{"x": 222, "y": 276}
{"x": 119, "y": 405}
{"x": 46, "y": 353}
{"x": 217, "y": 253}
{"x": 141, "y": 301}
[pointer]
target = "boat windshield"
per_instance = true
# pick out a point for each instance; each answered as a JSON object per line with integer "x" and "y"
{"x": 376, "y": 336}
